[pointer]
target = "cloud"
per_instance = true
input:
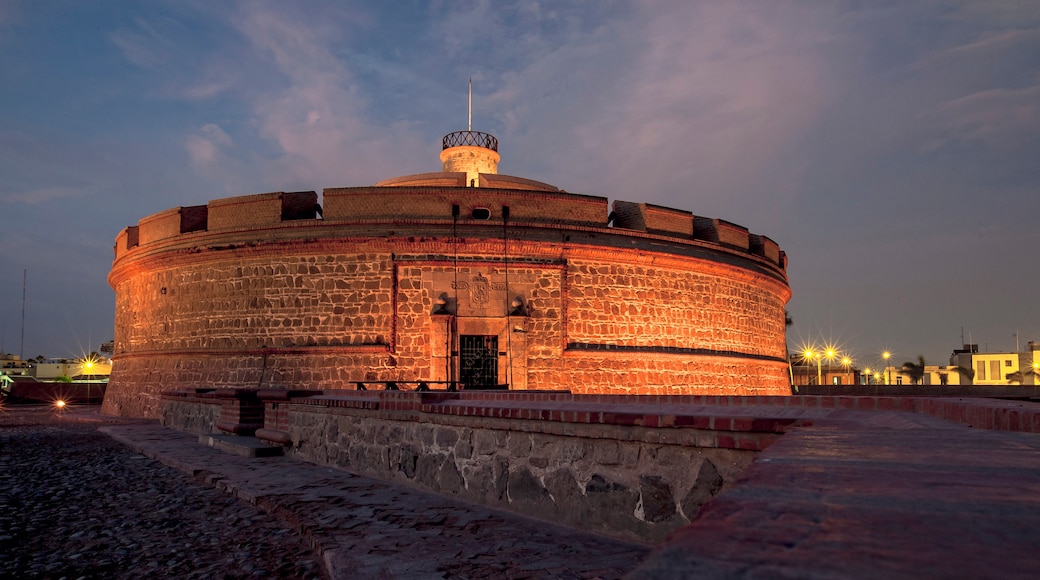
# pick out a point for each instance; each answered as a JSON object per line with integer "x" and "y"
{"x": 998, "y": 118}
{"x": 142, "y": 45}
{"x": 38, "y": 196}
{"x": 205, "y": 148}
{"x": 207, "y": 89}
{"x": 694, "y": 103}
{"x": 317, "y": 116}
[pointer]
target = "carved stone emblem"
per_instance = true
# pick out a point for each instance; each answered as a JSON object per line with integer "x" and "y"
{"x": 481, "y": 289}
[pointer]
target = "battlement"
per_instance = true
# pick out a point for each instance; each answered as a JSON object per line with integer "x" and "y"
{"x": 474, "y": 204}
{"x": 666, "y": 221}
{"x": 442, "y": 198}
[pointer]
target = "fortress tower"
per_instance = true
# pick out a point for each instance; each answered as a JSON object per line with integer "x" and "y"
{"x": 464, "y": 275}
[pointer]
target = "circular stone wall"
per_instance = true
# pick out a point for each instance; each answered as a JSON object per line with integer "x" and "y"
{"x": 490, "y": 287}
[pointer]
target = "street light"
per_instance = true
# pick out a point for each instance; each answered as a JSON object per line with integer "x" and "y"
{"x": 830, "y": 354}
{"x": 846, "y": 363}
{"x": 886, "y": 355}
{"x": 88, "y": 364}
{"x": 808, "y": 354}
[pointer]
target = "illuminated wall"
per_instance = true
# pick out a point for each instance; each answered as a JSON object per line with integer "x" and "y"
{"x": 261, "y": 291}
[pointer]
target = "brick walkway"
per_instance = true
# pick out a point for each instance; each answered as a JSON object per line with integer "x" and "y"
{"x": 371, "y": 529}
{"x": 876, "y": 495}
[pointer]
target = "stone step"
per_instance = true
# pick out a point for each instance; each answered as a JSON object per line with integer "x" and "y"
{"x": 241, "y": 445}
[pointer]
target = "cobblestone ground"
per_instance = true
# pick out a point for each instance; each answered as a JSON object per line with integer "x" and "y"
{"x": 76, "y": 504}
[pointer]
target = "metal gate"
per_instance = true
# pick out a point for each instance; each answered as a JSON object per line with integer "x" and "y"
{"x": 478, "y": 359}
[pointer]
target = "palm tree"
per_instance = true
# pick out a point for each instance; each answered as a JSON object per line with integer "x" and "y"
{"x": 915, "y": 370}
{"x": 1034, "y": 371}
{"x": 967, "y": 372}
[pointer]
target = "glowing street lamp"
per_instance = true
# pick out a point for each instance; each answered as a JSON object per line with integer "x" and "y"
{"x": 809, "y": 354}
{"x": 886, "y": 355}
{"x": 830, "y": 354}
{"x": 846, "y": 363}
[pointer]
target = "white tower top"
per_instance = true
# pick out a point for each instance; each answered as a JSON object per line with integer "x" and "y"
{"x": 470, "y": 151}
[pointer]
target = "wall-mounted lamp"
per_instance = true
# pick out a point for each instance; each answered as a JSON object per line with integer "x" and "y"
{"x": 440, "y": 305}
{"x": 518, "y": 308}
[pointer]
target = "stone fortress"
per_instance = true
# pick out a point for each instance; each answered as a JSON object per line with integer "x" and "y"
{"x": 464, "y": 277}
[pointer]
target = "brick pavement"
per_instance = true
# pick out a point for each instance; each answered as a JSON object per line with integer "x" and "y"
{"x": 858, "y": 490}
{"x": 875, "y": 495}
{"x": 367, "y": 528}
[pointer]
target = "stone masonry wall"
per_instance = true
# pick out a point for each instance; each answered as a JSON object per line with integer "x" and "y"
{"x": 605, "y": 478}
{"x": 320, "y": 304}
{"x": 192, "y": 417}
{"x": 141, "y": 379}
{"x": 301, "y": 319}
{"x": 234, "y": 301}
{"x": 635, "y": 305}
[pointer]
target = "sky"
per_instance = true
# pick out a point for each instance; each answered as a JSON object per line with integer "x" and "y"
{"x": 891, "y": 148}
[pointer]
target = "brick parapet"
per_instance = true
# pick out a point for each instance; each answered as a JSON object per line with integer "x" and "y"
{"x": 649, "y": 411}
{"x": 425, "y": 203}
{"x": 528, "y": 209}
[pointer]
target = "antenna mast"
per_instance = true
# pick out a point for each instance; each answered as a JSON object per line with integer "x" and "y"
{"x": 21, "y": 347}
{"x": 469, "y": 119}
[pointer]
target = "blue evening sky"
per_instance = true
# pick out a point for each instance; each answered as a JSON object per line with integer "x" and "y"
{"x": 892, "y": 148}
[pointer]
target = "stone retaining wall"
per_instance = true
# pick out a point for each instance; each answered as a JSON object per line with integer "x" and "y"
{"x": 605, "y": 464}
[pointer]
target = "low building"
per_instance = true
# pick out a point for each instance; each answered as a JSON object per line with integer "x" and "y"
{"x": 806, "y": 372}
{"x": 996, "y": 368}
{"x": 12, "y": 364}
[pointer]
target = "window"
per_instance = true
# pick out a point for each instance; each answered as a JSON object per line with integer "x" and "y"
{"x": 1007, "y": 362}
{"x": 994, "y": 370}
{"x": 836, "y": 380}
{"x": 899, "y": 380}
{"x": 981, "y": 371}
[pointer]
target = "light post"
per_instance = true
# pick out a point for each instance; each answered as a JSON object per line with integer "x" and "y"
{"x": 886, "y": 355}
{"x": 87, "y": 365}
{"x": 809, "y": 354}
{"x": 866, "y": 375}
{"x": 830, "y": 354}
{"x": 846, "y": 363}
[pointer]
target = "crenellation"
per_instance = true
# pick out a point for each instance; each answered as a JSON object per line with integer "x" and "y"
{"x": 159, "y": 226}
{"x": 247, "y": 211}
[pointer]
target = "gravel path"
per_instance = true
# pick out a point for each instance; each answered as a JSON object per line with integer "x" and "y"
{"x": 76, "y": 504}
